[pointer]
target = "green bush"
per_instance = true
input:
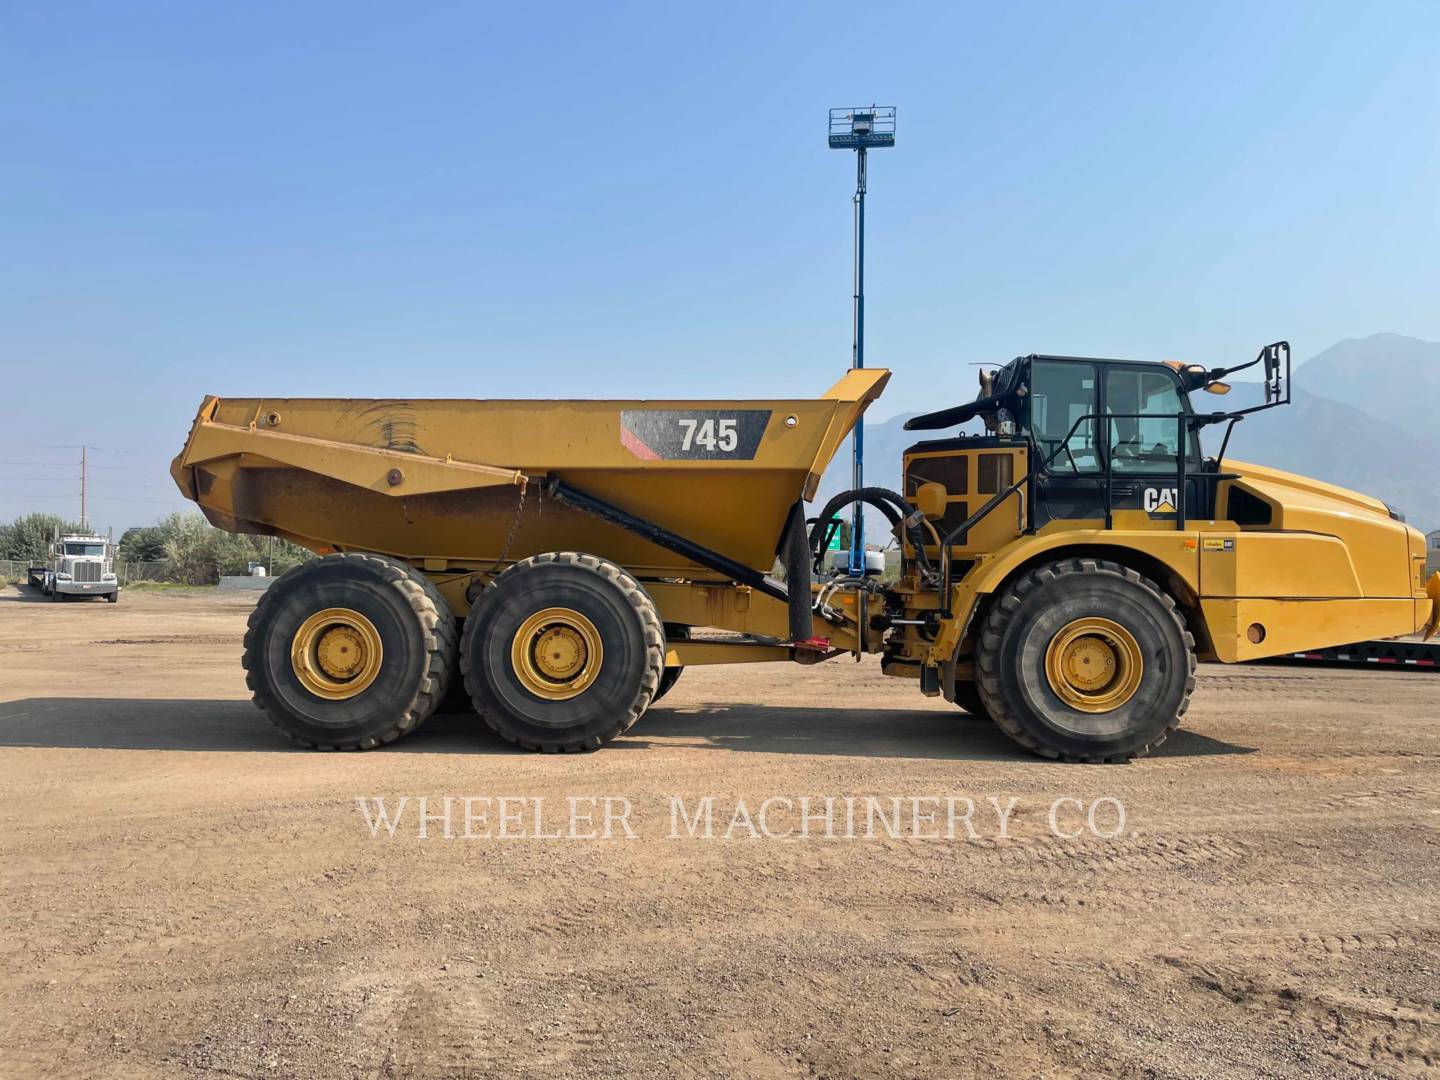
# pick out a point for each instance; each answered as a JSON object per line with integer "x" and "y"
{"x": 27, "y": 539}
{"x": 182, "y": 549}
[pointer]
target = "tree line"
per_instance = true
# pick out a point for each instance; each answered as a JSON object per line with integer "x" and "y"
{"x": 183, "y": 548}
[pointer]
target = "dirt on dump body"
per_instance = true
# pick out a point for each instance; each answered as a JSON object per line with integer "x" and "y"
{"x": 187, "y": 894}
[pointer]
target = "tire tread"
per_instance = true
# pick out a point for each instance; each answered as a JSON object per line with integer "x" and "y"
{"x": 440, "y": 645}
{"x": 1002, "y": 613}
{"x": 652, "y": 628}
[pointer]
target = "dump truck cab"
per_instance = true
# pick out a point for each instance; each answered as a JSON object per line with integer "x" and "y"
{"x": 1105, "y": 436}
{"x": 1093, "y": 466}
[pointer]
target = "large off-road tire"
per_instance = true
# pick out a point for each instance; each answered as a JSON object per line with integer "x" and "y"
{"x": 671, "y": 675}
{"x": 967, "y": 696}
{"x": 457, "y": 698}
{"x": 350, "y": 651}
{"x": 562, "y": 652}
{"x": 1085, "y": 660}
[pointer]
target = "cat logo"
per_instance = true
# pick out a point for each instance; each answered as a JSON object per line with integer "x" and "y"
{"x": 1160, "y": 500}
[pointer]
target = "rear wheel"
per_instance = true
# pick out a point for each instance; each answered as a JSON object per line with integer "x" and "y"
{"x": 1085, "y": 660}
{"x": 349, "y": 652}
{"x": 562, "y": 652}
{"x": 671, "y": 675}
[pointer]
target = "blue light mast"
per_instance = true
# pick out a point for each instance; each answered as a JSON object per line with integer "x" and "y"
{"x": 860, "y": 129}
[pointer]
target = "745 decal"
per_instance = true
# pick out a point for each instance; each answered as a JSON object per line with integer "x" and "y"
{"x": 693, "y": 434}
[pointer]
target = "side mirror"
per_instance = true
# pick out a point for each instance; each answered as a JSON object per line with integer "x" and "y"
{"x": 1274, "y": 380}
{"x": 1217, "y": 388}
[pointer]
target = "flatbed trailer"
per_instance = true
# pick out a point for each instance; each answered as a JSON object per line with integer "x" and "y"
{"x": 1406, "y": 654}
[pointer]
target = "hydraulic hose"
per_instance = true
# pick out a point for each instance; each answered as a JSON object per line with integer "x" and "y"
{"x": 890, "y": 503}
{"x": 795, "y": 554}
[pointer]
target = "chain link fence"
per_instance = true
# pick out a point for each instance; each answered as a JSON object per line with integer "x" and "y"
{"x": 13, "y": 571}
{"x": 128, "y": 572}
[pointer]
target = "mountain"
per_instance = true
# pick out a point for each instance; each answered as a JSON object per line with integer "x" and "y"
{"x": 1394, "y": 378}
{"x": 1338, "y": 443}
{"x": 1361, "y": 417}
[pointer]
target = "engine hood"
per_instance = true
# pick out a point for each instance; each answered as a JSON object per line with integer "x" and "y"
{"x": 1295, "y": 482}
{"x": 1387, "y": 555}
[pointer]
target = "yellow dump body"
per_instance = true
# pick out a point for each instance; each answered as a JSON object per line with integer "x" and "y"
{"x": 442, "y": 480}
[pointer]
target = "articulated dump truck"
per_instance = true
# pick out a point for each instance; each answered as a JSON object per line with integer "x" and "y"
{"x": 1060, "y": 572}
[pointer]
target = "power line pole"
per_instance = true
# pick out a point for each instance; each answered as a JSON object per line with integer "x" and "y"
{"x": 84, "y": 461}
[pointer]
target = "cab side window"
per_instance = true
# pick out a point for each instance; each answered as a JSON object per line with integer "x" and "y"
{"x": 1060, "y": 394}
{"x": 1144, "y": 434}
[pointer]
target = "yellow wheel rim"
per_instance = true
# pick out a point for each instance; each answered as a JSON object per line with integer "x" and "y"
{"x": 556, "y": 653}
{"x": 1094, "y": 665}
{"x": 336, "y": 653}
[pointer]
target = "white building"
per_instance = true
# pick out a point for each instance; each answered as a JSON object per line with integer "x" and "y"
{"x": 1432, "y": 552}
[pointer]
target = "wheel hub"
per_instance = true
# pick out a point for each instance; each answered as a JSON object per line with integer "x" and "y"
{"x": 1094, "y": 665}
{"x": 559, "y": 652}
{"x": 341, "y": 651}
{"x": 556, "y": 653}
{"x": 336, "y": 653}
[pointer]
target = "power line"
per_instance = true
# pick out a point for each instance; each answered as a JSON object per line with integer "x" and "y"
{"x": 77, "y": 446}
{"x": 157, "y": 485}
{"x": 76, "y": 464}
{"x": 132, "y": 453}
{"x": 103, "y": 498}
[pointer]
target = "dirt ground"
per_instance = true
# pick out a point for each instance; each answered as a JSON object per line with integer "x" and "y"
{"x": 186, "y": 895}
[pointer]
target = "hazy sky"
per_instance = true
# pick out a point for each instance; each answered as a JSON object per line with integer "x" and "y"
{"x": 624, "y": 200}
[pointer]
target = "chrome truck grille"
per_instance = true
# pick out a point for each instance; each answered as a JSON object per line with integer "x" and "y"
{"x": 87, "y": 571}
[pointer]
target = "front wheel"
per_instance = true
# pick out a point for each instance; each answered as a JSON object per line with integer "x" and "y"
{"x": 967, "y": 696}
{"x": 562, "y": 652}
{"x": 1085, "y": 660}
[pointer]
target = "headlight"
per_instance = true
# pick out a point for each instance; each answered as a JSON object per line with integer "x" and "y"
{"x": 107, "y": 577}
{"x": 1396, "y": 514}
{"x": 62, "y": 576}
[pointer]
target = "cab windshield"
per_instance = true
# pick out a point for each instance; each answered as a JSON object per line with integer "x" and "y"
{"x": 85, "y": 549}
{"x": 1143, "y": 402}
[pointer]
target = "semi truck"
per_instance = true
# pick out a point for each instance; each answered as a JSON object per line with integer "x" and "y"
{"x": 78, "y": 564}
{"x": 1068, "y": 553}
